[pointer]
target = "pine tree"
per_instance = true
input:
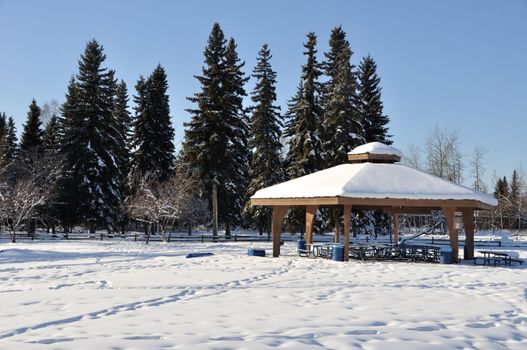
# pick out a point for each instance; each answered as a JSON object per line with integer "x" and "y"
{"x": 31, "y": 139}
{"x": 304, "y": 126}
{"x": 237, "y": 152}
{"x": 514, "y": 196}
{"x": 10, "y": 147}
{"x": 341, "y": 125}
{"x": 266, "y": 122}
{"x": 370, "y": 104}
{"x": 3, "y": 132}
{"x": 216, "y": 137}
{"x": 51, "y": 135}
{"x": 153, "y": 139}
{"x": 304, "y": 156}
{"x": 124, "y": 120}
{"x": 90, "y": 176}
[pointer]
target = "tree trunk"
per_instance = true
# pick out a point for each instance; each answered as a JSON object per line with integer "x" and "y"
{"x": 147, "y": 233}
{"x": 215, "y": 212}
{"x": 189, "y": 229}
{"x": 227, "y": 230}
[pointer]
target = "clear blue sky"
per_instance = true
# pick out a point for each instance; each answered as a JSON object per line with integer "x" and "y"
{"x": 453, "y": 63}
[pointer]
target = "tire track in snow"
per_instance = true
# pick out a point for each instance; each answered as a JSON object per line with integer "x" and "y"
{"x": 188, "y": 293}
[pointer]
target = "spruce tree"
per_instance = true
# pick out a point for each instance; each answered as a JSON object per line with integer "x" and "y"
{"x": 342, "y": 130}
{"x": 265, "y": 125}
{"x": 304, "y": 126}
{"x": 305, "y": 150}
{"x": 216, "y": 137}
{"x": 237, "y": 152}
{"x": 124, "y": 121}
{"x": 90, "y": 175}
{"x": 10, "y": 147}
{"x": 3, "y": 132}
{"x": 370, "y": 104}
{"x": 515, "y": 197}
{"x": 153, "y": 139}
{"x": 31, "y": 139}
{"x": 51, "y": 135}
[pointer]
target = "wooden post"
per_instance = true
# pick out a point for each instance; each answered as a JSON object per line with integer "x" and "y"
{"x": 311, "y": 210}
{"x": 452, "y": 232}
{"x": 278, "y": 219}
{"x": 395, "y": 218}
{"x": 337, "y": 224}
{"x": 468, "y": 223}
{"x": 346, "y": 218}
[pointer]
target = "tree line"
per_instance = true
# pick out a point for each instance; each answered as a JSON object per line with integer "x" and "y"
{"x": 96, "y": 164}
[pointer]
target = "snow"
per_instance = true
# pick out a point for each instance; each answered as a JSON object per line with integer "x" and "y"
{"x": 376, "y": 148}
{"x": 373, "y": 180}
{"x": 126, "y": 295}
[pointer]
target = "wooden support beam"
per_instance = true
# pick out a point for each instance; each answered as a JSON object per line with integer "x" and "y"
{"x": 311, "y": 211}
{"x": 346, "y": 218}
{"x": 452, "y": 232}
{"x": 278, "y": 219}
{"x": 468, "y": 223}
{"x": 395, "y": 218}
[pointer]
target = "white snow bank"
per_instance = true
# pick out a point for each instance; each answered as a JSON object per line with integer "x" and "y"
{"x": 126, "y": 295}
{"x": 376, "y": 148}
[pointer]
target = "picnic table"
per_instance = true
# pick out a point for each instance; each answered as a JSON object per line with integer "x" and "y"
{"x": 496, "y": 257}
{"x": 322, "y": 250}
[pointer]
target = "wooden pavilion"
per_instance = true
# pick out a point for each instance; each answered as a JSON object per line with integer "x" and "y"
{"x": 373, "y": 179}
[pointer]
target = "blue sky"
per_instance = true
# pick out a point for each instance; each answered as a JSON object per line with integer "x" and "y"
{"x": 458, "y": 64}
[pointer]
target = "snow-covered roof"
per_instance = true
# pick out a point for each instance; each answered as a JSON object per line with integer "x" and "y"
{"x": 377, "y": 148}
{"x": 373, "y": 181}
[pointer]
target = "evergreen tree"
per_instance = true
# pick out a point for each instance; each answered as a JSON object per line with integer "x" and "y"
{"x": 266, "y": 122}
{"x": 3, "y": 132}
{"x": 370, "y": 104}
{"x": 341, "y": 125}
{"x": 514, "y": 196}
{"x": 90, "y": 176}
{"x": 304, "y": 156}
{"x": 31, "y": 139}
{"x": 124, "y": 120}
{"x": 51, "y": 136}
{"x": 153, "y": 132}
{"x": 10, "y": 147}
{"x": 304, "y": 126}
{"x": 216, "y": 137}
{"x": 237, "y": 154}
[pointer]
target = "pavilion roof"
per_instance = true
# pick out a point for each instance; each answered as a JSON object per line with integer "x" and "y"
{"x": 373, "y": 184}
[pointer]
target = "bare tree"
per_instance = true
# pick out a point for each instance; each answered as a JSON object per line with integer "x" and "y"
{"x": 19, "y": 201}
{"x": 443, "y": 154}
{"x": 413, "y": 157}
{"x": 161, "y": 205}
{"x": 477, "y": 165}
{"x": 48, "y": 110}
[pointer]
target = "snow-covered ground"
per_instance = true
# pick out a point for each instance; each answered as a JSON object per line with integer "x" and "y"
{"x": 126, "y": 295}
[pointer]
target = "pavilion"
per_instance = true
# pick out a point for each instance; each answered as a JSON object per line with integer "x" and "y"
{"x": 373, "y": 179}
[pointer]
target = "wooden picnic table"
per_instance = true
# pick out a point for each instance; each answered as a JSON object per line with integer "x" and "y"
{"x": 318, "y": 249}
{"x": 496, "y": 257}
